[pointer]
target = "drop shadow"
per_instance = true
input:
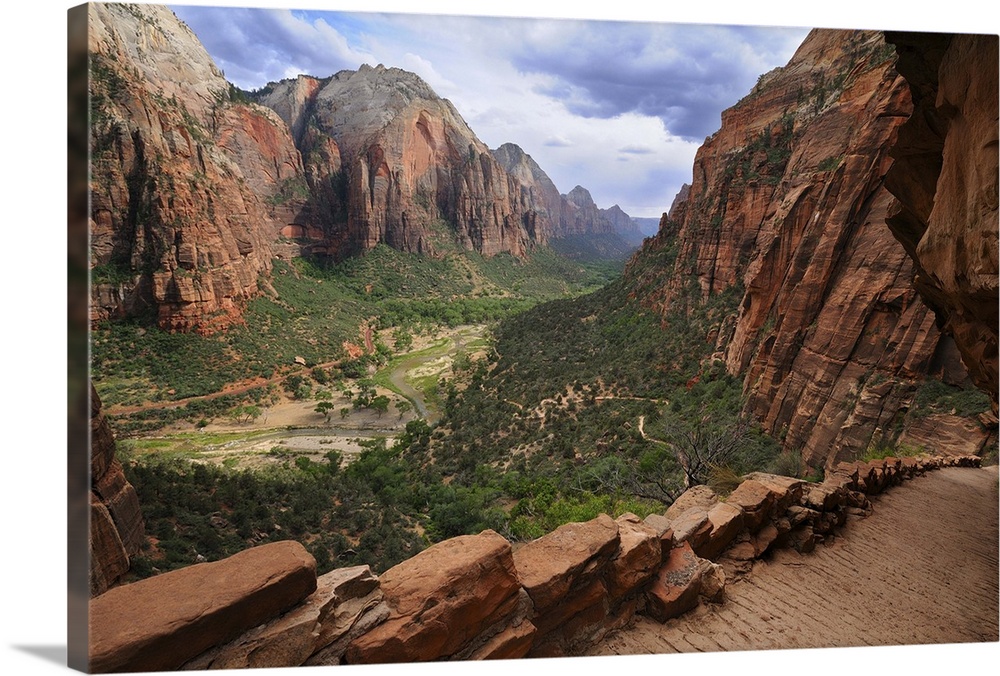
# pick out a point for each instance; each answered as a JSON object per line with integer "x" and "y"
{"x": 56, "y": 654}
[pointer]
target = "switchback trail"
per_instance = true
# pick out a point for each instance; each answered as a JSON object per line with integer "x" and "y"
{"x": 921, "y": 569}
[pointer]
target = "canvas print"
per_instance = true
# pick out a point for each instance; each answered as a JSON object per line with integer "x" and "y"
{"x": 418, "y": 338}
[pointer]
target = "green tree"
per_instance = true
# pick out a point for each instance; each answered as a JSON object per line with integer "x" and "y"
{"x": 324, "y": 408}
{"x": 380, "y": 404}
{"x": 404, "y": 407}
{"x": 402, "y": 339}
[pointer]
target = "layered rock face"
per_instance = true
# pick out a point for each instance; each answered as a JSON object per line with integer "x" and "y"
{"x": 116, "y": 526}
{"x": 407, "y": 161}
{"x": 945, "y": 179}
{"x": 569, "y": 215}
{"x": 181, "y": 175}
{"x": 787, "y": 208}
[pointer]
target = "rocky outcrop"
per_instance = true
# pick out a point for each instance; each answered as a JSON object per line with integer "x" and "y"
{"x": 408, "y": 162}
{"x": 116, "y": 526}
{"x": 161, "y": 622}
{"x": 347, "y": 603}
{"x": 786, "y": 213}
{"x": 179, "y": 228}
{"x": 542, "y": 194}
{"x": 474, "y": 597}
{"x": 448, "y": 600}
{"x": 945, "y": 181}
{"x": 573, "y": 223}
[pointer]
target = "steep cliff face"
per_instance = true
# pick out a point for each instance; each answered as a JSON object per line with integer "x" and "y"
{"x": 406, "y": 164}
{"x": 181, "y": 175}
{"x": 945, "y": 179}
{"x": 116, "y": 526}
{"x": 542, "y": 193}
{"x": 786, "y": 208}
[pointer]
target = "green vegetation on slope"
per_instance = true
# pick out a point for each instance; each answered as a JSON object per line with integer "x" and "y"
{"x": 316, "y": 309}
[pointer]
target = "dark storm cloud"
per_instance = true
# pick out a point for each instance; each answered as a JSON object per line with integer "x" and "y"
{"x": 257, "y": 46}
{"x": 682, "y": 74}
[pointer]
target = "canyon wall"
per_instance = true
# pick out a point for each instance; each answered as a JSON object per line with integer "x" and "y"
{"x": 116, "y": 526}
{"x": 197, "y": 185}
{"x": 179, "y": 175}
{"x": 573, "y": 222}
{"x": 477, "y": 596}
{"x": 945, "y": 180}
{"x": 408, "y": 170}
{"x": 787, "y": 208}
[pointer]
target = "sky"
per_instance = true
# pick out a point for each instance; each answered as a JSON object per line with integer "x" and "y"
{"x": 619, "y": 107}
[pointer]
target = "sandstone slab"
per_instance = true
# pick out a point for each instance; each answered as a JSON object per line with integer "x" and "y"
{"x": 441, "y": 600}
{"x": 693, "y": 527}
{"x": 638, "y": 557}
{"x": 727, "y": 522}
{"x": 549, "y": 566}
{"x": 755, "y": 500}
{"x": 160, "y": 623}
{"x": 664, "y": 531}
{"x": 696, "y": 496}
{"x": 677, "y": 585}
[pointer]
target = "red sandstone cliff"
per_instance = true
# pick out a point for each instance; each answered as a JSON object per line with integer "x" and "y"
{"x": 116, "y": 527}
{"x": 572, "y": 224}
{"x": 181, "y": 175}
{"x": 786, "y": 204}
{"x": 406, "y": 165}
{"x": 945, "y": 179}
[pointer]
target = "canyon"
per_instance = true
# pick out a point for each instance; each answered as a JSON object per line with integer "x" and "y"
{"x": 788, "y": 208}
{"x": 847, "y": 205}
{"x": 197, "y": 185}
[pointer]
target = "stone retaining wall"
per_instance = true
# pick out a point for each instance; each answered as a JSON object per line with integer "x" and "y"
{"x": 479, "y": 596}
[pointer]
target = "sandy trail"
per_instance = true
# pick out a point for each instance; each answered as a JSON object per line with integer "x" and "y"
{"x": 922, "y": 569}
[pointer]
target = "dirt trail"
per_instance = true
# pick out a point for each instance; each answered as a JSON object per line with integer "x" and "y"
{"x": 922, "y": 569}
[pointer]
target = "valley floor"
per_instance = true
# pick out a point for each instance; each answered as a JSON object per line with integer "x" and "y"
{"x": 294, "y": 428}
{"x": 922, "y": 569}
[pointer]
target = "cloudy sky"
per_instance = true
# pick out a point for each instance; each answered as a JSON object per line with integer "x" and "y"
{"x": 618, "y": 107}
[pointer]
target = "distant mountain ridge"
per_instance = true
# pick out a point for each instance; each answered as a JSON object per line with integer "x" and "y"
{"x": 197, "y": 184}
{"x": 576, "y": 225}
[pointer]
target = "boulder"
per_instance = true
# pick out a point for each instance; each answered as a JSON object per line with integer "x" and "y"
{"x": 823, "y": 497}
{"x": 727, "y": 522}
{"x": 549, "y": 566}
{"x": 638, "y": 557}
{"x": 677, "y": 585}
{"x": 441, "y": 600}
{"x": 693, "y": 527}
{"x": 664, "y": 531}
{"x": 358, "y": 607}
{"x": 787, "y": 491}
{"x": 764, "y": 538}
{"x": 160, "y": 623}
{"x": 755, "y": 500}
{"x": 290, "y": 640}
{"x": 696, "y": 496}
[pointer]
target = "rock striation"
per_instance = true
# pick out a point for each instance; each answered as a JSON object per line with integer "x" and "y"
{"x": 945, "y": 182}
{"x": 180, "y": 175}
{"x": 786, "y": 213}
{"x": 407, "y": 161}
{"x": 117, "y": 531}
